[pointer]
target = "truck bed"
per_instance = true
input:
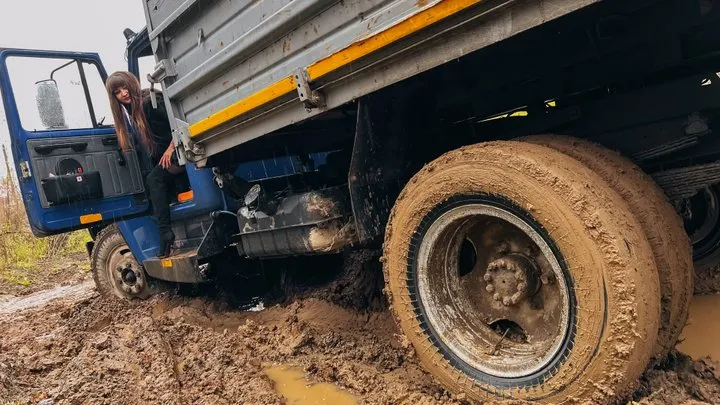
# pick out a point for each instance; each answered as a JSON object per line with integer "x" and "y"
{"x": 236, "y": 70}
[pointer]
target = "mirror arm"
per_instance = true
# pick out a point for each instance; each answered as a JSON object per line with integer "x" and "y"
{"x": 56, "y": 69}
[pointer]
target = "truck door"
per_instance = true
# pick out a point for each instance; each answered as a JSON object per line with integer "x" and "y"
{"x": 71, "y": 171}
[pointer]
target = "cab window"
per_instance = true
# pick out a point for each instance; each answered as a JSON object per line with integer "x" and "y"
{"x": 57, "y": 94}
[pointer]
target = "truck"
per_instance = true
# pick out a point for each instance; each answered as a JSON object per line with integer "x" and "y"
{"x": 541, "y": 175}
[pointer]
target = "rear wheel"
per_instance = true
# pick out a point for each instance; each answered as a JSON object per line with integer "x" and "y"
{"x": 517, "y": 272}
{"x": 115, "y": 270}
{"x": 661, "y": 224}
{"x": 702, "y": 223}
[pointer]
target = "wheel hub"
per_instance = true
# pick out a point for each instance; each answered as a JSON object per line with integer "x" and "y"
{"x": 493, "y": 289}
{"x": 512, "y": 278}
{"x": 129, "y": 279}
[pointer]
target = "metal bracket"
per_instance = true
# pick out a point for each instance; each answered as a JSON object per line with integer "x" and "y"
{"x": 195, "y": 153}
{"x": 310, "y": 98}
{"x": 164, "y": 68}
{"x": 181, "y": 135}
{"x": 181, "y": 131}
{"x": 25, "y": 169}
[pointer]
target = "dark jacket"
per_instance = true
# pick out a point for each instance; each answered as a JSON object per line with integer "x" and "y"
{"x": 159, "y": 125}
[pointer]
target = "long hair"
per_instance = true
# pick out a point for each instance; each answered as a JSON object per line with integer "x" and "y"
{"x": 136, "y": 113}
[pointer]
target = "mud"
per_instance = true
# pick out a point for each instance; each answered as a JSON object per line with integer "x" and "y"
{"x": 700, "y": 336}
{"x": 12, "y": 304}
{"x": 707, "y": 280}
{"x": 292, "y": 384}
{"x": 79, "y": 348}
{"x": 184, "y": 350}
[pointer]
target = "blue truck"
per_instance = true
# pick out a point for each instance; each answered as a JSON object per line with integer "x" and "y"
{"x": 551, "y": 267}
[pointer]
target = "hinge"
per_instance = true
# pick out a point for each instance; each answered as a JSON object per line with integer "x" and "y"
{"x": 181, "y": 137}
{"x": 310, "y": 98}
{"x": 164, "y": 68}
{"x": 194, "y": 152}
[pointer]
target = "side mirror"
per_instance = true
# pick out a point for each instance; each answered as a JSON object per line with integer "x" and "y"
{"x": 49, "y": 104}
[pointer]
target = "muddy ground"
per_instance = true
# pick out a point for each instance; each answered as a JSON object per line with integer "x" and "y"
{"x": 49, "y": 273}
{"x": 179, "y": 349}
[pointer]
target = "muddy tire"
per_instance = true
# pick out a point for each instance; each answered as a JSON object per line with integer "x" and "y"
{"x": 661, "y": 224}
{"x": 517, "y": 272}
{"x": 116, "y": 272}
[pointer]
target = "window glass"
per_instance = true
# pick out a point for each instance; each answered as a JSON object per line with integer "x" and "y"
{"x": 146, "y": 65}
{"x": 98, "y": 95}
{"x": 55, "y": 88}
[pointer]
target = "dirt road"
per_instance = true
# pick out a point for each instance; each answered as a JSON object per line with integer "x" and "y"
{"x": 74, "y": 347}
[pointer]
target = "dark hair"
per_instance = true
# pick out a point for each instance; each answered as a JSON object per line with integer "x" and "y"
{"x": 137, "y": 115}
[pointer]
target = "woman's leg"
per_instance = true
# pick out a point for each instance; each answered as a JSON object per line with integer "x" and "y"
{"x": 158, "y": 181}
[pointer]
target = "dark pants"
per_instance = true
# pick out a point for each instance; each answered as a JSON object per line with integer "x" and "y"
{"x": 160, "y": 182}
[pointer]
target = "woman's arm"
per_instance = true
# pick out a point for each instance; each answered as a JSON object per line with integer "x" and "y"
{"x": 166, "y": 159}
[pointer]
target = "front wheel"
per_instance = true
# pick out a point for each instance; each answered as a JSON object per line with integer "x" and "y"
{"x": 115, "y": 270}
{"x": 517, "y": 272}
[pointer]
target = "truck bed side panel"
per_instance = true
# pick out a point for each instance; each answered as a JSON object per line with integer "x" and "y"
{"x": 235, "y": 61}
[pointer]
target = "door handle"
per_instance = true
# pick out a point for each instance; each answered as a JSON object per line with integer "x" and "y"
{"x": 121, "y": 158}
{"x": 113, "y": 141}
{"x": 75, "y": 146}
{"x": 110, "y": 140}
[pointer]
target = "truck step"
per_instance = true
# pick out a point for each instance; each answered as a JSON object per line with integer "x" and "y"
{"x": 181, "y": 267}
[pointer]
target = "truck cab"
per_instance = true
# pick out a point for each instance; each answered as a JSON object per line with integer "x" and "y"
{"x": 73, "y": 175}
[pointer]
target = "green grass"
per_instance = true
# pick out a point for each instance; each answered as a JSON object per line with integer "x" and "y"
{"x": 24, "y": 257}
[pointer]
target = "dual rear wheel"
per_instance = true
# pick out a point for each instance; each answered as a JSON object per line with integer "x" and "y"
{"x": 537, "y": 270}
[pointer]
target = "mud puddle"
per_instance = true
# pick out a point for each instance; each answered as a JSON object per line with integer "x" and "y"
{"x": 74, "y": 292}
{"x": 700, "y": 336}
{"x": 292, "y": 384}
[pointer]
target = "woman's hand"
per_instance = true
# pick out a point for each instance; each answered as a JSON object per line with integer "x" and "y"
{"x": 166, "y": 159}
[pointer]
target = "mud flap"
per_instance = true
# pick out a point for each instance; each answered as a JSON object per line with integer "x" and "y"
{"x": 378, "y": 169}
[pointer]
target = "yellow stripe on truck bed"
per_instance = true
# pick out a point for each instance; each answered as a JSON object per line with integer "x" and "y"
{"x": 263, "y": 96}
{"x": 335, "y": 61}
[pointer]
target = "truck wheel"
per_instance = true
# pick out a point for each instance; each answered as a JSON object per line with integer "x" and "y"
{"x": 661, "y": 224}
{"x": 703, "y": 226}
{"x": 115, "y": 270}
{"x": 517, "y": 272}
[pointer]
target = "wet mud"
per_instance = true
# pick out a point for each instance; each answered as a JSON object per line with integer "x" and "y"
{"x": 76, "y": 347}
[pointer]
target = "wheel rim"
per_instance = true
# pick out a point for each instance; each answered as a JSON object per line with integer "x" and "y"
{"x": 493, "y": 291}
{"x": 128, "y": 279}
{"x": 702, "y": 222}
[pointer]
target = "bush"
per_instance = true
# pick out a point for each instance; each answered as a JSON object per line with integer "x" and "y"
{"x": 19, "y": 248}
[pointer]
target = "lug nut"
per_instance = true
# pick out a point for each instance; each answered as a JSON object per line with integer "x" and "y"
{"x": 497, "y": 297}
{"x": 546, "y": 279}
{"x": 490, "y": 288}
{"x": 522, "y": 287}
{"x": 487, "y": 277}
{"x": 506, "y": 301}
{"x": 502, "y": 247}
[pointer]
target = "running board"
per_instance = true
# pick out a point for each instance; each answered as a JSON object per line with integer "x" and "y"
{"x": 180, "y": 267}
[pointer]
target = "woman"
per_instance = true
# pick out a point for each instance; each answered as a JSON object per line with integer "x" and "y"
{"x": 146, "y": 129}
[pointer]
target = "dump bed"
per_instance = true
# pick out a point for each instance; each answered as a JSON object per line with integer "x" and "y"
{"x": 234, "y": 70}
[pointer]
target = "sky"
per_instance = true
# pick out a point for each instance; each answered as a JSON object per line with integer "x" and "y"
{"x": 69, "y": 25}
